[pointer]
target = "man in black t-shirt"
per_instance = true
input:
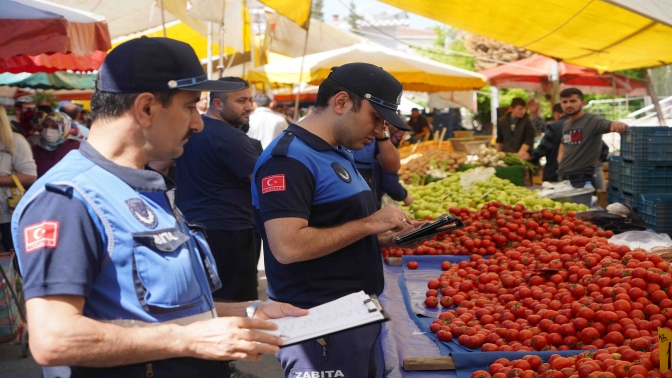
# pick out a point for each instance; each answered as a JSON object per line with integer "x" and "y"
{"x": 213, "y": 189}
{"x": 418, "y": 125}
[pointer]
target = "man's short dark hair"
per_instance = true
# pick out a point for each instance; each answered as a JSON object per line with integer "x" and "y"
{"x": 415, "y": 110}
{"x": 222, "y": 95}
{"x": 113, "y": 105}
{"x": 557, "y": 108}
{"x": 330, "y": 88}
{"x": 72, "y": 111}
{"x": 569, "y": 92}
{"x": 18, "y": 103}
{"x": 517, "y": 101}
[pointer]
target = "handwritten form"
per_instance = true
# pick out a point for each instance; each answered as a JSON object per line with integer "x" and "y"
{"x": 344, "y": 313}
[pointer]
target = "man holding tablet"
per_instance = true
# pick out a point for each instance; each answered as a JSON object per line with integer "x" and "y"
{"x": 318, "y": 217}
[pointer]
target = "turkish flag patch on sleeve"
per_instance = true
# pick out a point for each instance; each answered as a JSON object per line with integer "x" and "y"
{"x": 41, "y": 235}
{"x": 275, "y": 183}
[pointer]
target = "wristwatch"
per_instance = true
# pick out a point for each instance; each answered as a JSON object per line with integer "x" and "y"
{"x": 252, "y": 308}
{"x": 386, "y": 135}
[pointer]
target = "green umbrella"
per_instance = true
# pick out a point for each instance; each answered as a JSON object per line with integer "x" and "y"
{"x": 57, "y": 80}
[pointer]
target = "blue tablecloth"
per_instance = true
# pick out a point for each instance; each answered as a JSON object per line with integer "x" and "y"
{"x": 400, "y": 337}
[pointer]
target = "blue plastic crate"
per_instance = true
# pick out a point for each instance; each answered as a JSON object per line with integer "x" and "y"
{"x": 615, "y": 163}
{"x": 613, "y": 194}
{"x": 646, "y": 177}
{"x": 629, "y": 199}
{"x": 656, "y": 211}
{"x": 647, "y": 144}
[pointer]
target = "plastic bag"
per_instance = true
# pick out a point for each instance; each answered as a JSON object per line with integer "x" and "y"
{"x": 468, "y": 179}
{"x": 642, "y": 239}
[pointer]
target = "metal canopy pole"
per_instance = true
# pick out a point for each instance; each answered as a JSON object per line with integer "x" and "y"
{"x": 654, "y": 97}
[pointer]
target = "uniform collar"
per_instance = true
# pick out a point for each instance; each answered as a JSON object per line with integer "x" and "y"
{"x": 140, "y": 180}
{"x": 315, "y": 142}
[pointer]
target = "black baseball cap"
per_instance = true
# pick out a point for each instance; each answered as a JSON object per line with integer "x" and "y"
{"x": 374, "y": 84}
{"x": 155, "y": 65}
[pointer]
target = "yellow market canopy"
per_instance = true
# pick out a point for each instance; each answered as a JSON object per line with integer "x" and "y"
{"x": 414, "y": 73}
{"x": 607, "y": 35}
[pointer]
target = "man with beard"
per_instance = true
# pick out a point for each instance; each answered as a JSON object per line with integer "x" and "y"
{"x": 581, "y": 146}
{"x": 25, "y": 108}
{"x": 213, "y": 190}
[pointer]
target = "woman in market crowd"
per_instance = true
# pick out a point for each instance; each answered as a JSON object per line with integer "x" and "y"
{"x": 58, "y": 136}
{"x": 16, "y": 158}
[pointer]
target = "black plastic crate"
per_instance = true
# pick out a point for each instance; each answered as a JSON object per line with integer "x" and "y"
{"x": 615, "y": 163}
{"x": 647, "y": 144}
{"x": 656, "y": 211}
{"x": 646, "y": 177}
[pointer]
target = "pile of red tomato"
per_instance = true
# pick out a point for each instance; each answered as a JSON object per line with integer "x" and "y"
{"x": 614, "y": 362}
{"x": 497, "y": 227}
{"x": 576, "y": 292}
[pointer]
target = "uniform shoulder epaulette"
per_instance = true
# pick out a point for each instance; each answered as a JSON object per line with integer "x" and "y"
{"x": 282, "y": 146}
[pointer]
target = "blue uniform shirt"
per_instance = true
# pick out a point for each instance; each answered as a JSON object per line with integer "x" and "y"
{"x": 112, "y": 234}
{"x": 213, "y": 188}
{"x": 299, "y": 175}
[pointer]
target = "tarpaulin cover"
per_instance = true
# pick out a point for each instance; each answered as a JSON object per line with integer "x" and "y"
{"x": 415, "y": 73}
{"x": 36, "y": 27}
{"x": 590, "y": 33}
{"x": 534, "y": 74}
{"x": 58, "y": 80}
{"x": 50, "y": 63}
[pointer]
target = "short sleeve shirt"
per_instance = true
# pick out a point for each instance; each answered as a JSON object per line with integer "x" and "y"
{"x": 301, "y": 176}
{"x": 582, "y": 139}
{"x": 213, "y": 187}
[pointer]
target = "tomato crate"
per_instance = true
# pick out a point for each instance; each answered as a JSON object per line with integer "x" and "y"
{"x": 647, "y": 144}
{"x": 656, "y": 211}
{"x": 646, "y": 177}
{"x": 615, "y": 163}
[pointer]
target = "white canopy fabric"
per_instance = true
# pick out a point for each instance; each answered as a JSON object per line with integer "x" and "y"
{"x": 123, "y": 16}
{"x": 415, "y": 73}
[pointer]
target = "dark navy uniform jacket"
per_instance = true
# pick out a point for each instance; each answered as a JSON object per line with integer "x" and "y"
{"x": 300, "y": 175}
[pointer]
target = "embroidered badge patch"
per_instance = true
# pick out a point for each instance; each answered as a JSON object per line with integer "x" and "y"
{"x": 142, "y": 212}
{"x": 41, "y": 235}
{"x": 275, "y": 183}
{"x": 341, "y": 172}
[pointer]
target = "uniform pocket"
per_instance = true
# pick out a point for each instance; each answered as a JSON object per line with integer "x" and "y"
{"x": 207, "y": 258}
{"x": 164, "y": 271}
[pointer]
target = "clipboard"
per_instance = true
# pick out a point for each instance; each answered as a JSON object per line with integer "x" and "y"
{"x": 443, "y": 223}
{"x": 294, "y": 330}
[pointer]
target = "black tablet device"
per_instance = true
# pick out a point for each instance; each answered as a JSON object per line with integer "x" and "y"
{"x": 442, "y": 224}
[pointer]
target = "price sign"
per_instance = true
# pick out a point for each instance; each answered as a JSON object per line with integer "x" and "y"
{"x": 665, "y": 341}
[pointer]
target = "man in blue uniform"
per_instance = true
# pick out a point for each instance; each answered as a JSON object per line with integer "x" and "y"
{"x": 117, "y": 283}
{"x": 318, "y": 218}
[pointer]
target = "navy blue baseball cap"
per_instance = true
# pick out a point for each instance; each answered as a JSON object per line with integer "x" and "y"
{"x": 376, "y": 85}
{"x": 155, "y": 65}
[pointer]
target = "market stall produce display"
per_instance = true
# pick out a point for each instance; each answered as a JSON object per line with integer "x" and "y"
{"x": 497, "y": 227}
{"x": 420, "y": 147}
{"x": 436, "y": 198}
{"x": 572, "y": 293}
{"x": 434, "y": 163}
{"x": 639, "y": 359}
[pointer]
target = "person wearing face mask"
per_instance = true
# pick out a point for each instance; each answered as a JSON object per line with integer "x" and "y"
{"x": 213, "y": 189}
{"x": 58, "y": 136}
